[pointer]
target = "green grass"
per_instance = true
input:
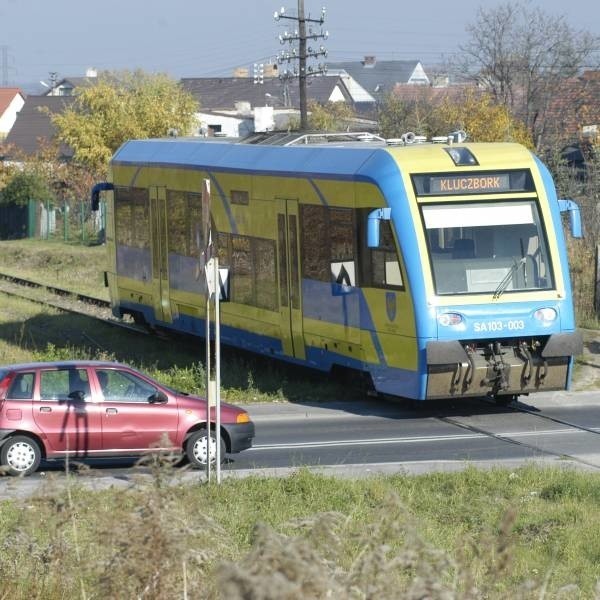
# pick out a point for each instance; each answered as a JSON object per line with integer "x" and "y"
{"x": 531, "y": 533}
{"x": 32, "y": 332}
{"x": 29, "y": 332}
{"x": 74, "y": 267}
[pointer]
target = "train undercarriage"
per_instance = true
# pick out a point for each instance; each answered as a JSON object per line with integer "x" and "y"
{"x": 501, "y": 369}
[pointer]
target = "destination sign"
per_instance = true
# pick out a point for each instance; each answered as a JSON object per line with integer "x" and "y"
{"x": 472, "y": 183}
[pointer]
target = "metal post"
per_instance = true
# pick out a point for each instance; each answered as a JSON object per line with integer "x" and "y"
{"x": 217, "y": 368}
{"x": 208, "y": 385}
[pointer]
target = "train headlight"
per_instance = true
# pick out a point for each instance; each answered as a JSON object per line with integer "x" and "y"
{"x": 546, "y": 315}
{"x": 447, "y": 319}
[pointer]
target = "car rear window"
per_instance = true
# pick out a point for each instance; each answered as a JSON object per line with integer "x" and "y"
{"x": 3, "y": 383}
{"x": 21, "y": 387}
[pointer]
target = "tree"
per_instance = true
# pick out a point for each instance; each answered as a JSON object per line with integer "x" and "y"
{"x": 123, "y": 106}
{"x": 397, "y": 116}
{"x": 482, "y": 119}
{"x": 7, "y": 167}
{"x": 332, "y": 116}
{"x": 439, "y": 112}
{"x": 25, "y": 186}
{"x": 520, "y": 54}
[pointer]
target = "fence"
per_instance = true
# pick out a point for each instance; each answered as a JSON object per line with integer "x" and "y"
{"x": 67, "y": 221}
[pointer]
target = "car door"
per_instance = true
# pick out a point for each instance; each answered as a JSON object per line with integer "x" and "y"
{"x": 66, "y": 412}
{"x": 130, "y": 422}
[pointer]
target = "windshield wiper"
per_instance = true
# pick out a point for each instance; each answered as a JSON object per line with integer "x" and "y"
{"x": 507, "y": 278}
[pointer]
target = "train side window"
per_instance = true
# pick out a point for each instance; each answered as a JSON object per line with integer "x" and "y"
{"x": 240, "y": 197}
{"x": 380, "y": 267}
{"x": 315, "y": 242}
{"x": 178, "y": 222}
{"x": 266, "y": 281}
{"x": 342, "y": 232}
{"x": 224, "y": 249}
{"x": 196, "y": 242}
{"x": 241, "y": 270}
{"x": 140, "y": 220}
{"x": 123, "y": 213}
{"x": 328, "y": 243}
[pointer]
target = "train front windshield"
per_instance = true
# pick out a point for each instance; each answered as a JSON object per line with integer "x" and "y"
{"x": 487, "y": 247}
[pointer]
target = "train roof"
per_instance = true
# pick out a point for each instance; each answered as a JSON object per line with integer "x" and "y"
{"x": 343, "y": 161}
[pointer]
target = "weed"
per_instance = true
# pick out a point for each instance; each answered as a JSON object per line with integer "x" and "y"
{"x": 304, "y": 536}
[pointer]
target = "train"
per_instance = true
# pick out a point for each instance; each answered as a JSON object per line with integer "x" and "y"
{"x": 437, "y": 268}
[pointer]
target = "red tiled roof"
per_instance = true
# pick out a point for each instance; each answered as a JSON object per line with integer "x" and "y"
{"x": 576, "y": 103}
{"x": 7, "y": 95}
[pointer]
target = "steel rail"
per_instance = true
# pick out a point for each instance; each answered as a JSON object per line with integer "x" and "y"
{"x": 56, "y": 290}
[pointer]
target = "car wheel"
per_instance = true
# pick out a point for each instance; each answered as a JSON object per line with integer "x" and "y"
{"x": 20, "y": 455}
{"x": 196, "y": 448}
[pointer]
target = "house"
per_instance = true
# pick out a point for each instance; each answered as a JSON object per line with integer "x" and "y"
{"x": 11, "y": 102}
{"x": 237, "y": 106}
{"x": 33, "y": 128}
{"x": 378, "y": 78}
{"x": 65, "y": 87}
{"x": 574, "y": 110}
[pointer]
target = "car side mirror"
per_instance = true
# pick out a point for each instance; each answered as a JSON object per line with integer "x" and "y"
{"x": 158, "y": 398}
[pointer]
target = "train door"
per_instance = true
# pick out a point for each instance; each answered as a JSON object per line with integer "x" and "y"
{"x": 160, "y": 254}
{"x": 290, "y": 291}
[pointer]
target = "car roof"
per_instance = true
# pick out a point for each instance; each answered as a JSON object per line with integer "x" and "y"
{"x": 65, "y": 364}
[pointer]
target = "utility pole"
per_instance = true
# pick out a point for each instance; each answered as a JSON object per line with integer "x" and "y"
{"x": 302, "y": 60}
{"x": 302, "y": 72}
{"x": 53, "y": 80}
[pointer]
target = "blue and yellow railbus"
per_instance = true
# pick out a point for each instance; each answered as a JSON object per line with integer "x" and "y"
{"x": 439, "y": 269}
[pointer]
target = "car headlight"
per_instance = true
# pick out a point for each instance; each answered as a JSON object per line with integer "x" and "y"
{"x": 545, "y": 314}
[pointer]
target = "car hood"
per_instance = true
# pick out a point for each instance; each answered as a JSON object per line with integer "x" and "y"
{"x": 197, "y": 402}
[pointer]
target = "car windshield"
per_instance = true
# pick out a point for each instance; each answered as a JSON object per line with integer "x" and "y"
{"x": 491, "y": 247}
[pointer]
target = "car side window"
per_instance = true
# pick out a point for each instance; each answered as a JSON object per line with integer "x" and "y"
{"x": 60, "y": 383}
{"x": 120, "y": 386}
{"x": 21, "y": 387}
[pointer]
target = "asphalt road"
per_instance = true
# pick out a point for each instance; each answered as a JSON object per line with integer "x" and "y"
{"x": 376, "y": 436}
{"x": 391, "y": 436}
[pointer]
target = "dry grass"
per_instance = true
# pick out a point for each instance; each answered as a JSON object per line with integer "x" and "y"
{"x": 74, "y": 267}
{"x": 527, "y": 534}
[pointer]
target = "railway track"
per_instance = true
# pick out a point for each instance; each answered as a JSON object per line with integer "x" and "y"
{"x": 511, "y": 438}
{"x": 63, "y": 300}
{"x": 97, "y": 308}
{"x": 55, "y": 290}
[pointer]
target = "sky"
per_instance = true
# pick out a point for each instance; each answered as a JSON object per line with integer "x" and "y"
{"x": 201, "y": 38}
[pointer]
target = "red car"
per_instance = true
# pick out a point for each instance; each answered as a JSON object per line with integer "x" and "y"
{"x": 87, "y": 409}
